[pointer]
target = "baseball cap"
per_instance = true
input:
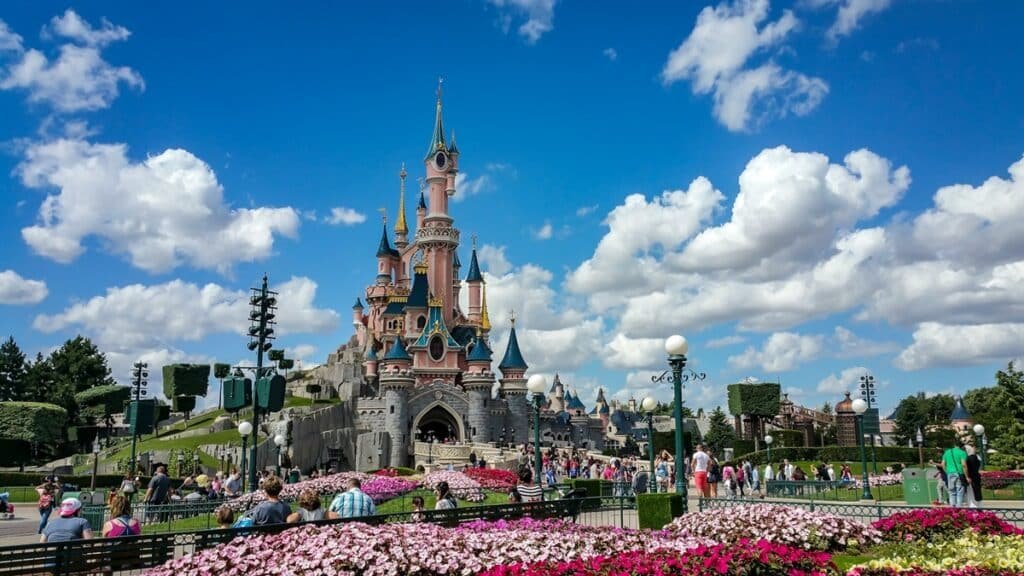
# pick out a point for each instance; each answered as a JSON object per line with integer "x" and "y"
{"x": 69, "y": 506}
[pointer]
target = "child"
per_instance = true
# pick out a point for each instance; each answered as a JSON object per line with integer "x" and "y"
{"x": 225, "y": 517}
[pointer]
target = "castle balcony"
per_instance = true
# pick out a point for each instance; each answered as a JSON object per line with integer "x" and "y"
{"x": 437, "y": 235}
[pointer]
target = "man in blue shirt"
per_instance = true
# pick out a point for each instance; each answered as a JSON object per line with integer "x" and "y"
{"x": 353, "y": 502}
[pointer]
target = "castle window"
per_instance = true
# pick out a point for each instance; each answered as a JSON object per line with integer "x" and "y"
{"x": 421, "y": 322}
{"x": 392, "y": 408}
{"x": 436, "y": 348}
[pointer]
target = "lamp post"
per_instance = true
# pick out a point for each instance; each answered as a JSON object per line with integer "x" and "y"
{"x": 859, "y": 408}
{"x": 920, "y": 447}
{"x": 95, "y": 462}
{"x": 537, "y": 384}
{"x": 279, "y": 441}
{"x": 768, "y": 442}
{"x": 140, "y": 372}
{"x": 979, "y": 434}
{"x": 867, "y": 392}
{"x": 181, "y": 464}
{"x": 196, "y": 462}
{"x": 648, "y": 405}
{"x": 676, "y": 347}
{"x": 244, "y": 429}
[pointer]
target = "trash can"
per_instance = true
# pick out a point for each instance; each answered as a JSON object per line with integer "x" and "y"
{"x": 293, "y": 476}
{"x": 918, "y": 489}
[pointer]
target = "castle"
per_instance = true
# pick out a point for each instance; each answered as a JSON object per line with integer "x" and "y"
{"x": 419, "y": 365}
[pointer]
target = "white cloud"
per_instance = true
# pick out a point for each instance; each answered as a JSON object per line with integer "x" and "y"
{"x": 725, "y": 341}
{"x": 345, "y": 216}
{"x": 847, "y": 381}
{"x": 492, "y": 259}
{"x": 849, "y": 345}
{"x": 782, "y": 351}
{"x": 70, "y": 25}
{"x": 611, "y": 54}
{"x": 714, "y": 59}
{"x": 544, "y": 232}
{"x": 539, "y": 14}
{"x": 585, "y": 210}
{"x": 17, "y": 290}
{"x": 9, "y": 41}
{"x": 466, "y": 186}
{"x": 79, "y": 79}
{"x": 850, "y": 14}
{"x": 138, "y": 317}
{"x": 938, "y": 344}
{"x": 302, "y": 354}
{"x": 163, "y": 212}
{"x": 626, "y": 352}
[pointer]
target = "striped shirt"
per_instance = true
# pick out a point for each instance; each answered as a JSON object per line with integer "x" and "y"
{"x": 353, "y": 503}
{"x": 530, "y": 492}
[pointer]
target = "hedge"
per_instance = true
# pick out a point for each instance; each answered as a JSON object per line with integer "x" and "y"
{"x": 754, "y": 399}
{"x": 108, "y": 399}
{"x": 655, "y": 511}
{"x": 742, "y": 446}
{"x": 834, "y": 454}
{"x": 221, "y": 371}
{"x": 11, "y": 479}
{"x": 788, "y": 438}
{"x": 594, "y": 488}
{"x": 32, "y": 422}
{"x": 184, "y": 403}
{"x": 186, "y": 379}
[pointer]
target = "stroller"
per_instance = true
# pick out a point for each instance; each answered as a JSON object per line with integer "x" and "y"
{"x": 6, "y": 508}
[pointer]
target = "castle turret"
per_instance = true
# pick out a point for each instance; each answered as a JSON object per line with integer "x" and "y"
{"x": 370, "y": 362}
{"x": 421, "y": 208}
{"x": 485, "y": 319}
{"x": 416, "y": 305}
{"x": 556, "y": 399}
{"x": 475, "y": 281}
{"x": 477, "y": 381}
{"x": 513, "y": 382}
{"x": 387, "y": 259}
{"x": 358, "y": 323}
{"x": 456, "y": 281}
{"x": 396, "y": 379}
{"x": 401, "y": 229}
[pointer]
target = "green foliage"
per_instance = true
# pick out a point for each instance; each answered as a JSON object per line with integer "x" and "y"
{"x": 667, "y": 441}
{"x": 286, "y": 363}
{"x": 79, "y": 365}
{"x": 919, "y": 411}
{"x": 788, "y": 438}
{"x": 668, "y": 409}
{"x": 1009, "y": 440}
{"x": 186, "y": 379}
{"x": 9, "y": 479}
{"x": 221, "y": 371}
{"x": 754, "y": 399}
{"x": 106, "y": 399}
{"x": 400, "y": 470}
{"x": 720, "y": 434}
{"x": 592, "y": 488}
{"x": 184, "y": 404}
{"x": 275, "y": 355}
{"x": 743, "y": 446}
{"x": 13, "y": 367}
{"x": 32, "y": 422}
{"x": 655, "y": 511}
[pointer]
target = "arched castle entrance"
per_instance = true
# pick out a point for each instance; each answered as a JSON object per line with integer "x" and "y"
{"x": 440, "y": 422}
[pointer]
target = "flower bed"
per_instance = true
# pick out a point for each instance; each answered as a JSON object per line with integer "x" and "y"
{"x": 380, "y": 488}
{"x": 999, "y": 479}
{"x": 881, "y": 480}
{"x": 462, "y": 486}
{"x": 761, "y": 557}
{"x": 971, "y": 554}
{"x": 941, "y": 523}
{"x": 424, "y": 549}
{"x": 780, "y": 524}
{"x": 493, "y": 478}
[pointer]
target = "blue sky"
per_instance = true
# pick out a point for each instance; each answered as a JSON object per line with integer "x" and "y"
{"x": 805, "y": 190}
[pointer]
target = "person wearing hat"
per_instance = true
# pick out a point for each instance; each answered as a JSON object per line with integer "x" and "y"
{"x": 69, "y": 526}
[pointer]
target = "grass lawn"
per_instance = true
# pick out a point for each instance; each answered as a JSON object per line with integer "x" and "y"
{"x": 297, "y": 402}
{"x": 855, "y": 467}
{"x": 846, "y": 561}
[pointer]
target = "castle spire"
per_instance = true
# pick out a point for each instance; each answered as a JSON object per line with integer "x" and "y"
{"x": 385, "y": 249}
{"x": 401, "y": 228}
{"x": 485, "y": 320}
{"x": 437, "y": 139}
{"x": 513, "y": 357}
{"x": 474, "y": 266}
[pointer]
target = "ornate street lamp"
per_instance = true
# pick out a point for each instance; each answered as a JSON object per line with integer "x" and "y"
{"x": 95, "y": 462}
{"x": 979, "y": 433}
{"x": 768, "y": 442}
{"x": 279, "y": 441}
{"x": 648, "y": 405}
{"x": 859, "y": 408}
{"x": 537, "y": 384}
{"x": 677, "y": 348}
{"x": 244, "y": 429}
{"x": 920, "y": 446}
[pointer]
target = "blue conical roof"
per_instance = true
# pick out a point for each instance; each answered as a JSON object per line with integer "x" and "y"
{"x": 371, "y": 354}
{"x": 423, "y": 201}
{"x": 480, "y": 352}
{"x": 960, "y": 411}
{"x": 397, "y": 351}
{"x": 513, "y": 357}
{"x": 455, "y": 260}
{"x": 385, "y": 249}
{"x": 437, "y": 138}
{"x": 474, "y": 270}
{"x": 358, "y": 304}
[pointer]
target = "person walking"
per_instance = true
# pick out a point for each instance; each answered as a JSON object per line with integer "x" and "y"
{"x": 353, "y": 503}
{"x": 974, "y": 497}
{"x": 714, "y": 474}
{"x": 69, "y": 525}
{"x": 954, "y": 460}
{"x": 699, "y": 465}
{"x": 121, "y": 522}
{"x": 47, "y": 501}
{"x": 159, "y": 490}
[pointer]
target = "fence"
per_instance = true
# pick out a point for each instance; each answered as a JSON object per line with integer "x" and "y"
{"x": 836, "y": 491}
{"x": 866, "y": 513}
{"x": 135, "y": 553}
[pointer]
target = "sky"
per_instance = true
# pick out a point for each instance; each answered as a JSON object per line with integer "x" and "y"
{"x": 808, "y": 191}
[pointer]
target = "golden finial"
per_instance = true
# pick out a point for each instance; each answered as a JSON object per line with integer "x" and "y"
{"x": 400, "y": 226}
{"x": 435, "y": 302}
{"x": 485, "y": 319}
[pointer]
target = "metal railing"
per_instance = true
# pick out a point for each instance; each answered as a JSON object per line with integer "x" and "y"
{"x": 866, "y": 512}
{"x": 135, "y": 553}
{"x": 835, "y": 491}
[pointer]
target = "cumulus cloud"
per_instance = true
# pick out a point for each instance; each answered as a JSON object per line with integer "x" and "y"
{"x": 938, "y": 344}
{"x": 17, "y": 290}
{"x": 345, "y": 216}
{"x": 850, "y": 14}
{"x": 846, "y": 381}
{"x": 466, "y": 186}
{"x": 163, "y": 212}
{"x": 139, "y": 316}
{"x": 78, "y": 79}
{"x": 626, "y": 352}
{"x": 544, "y": 232}
{"x": 611, "y": 54}
{"x": 539, "y": 15}
{"x": 725, "y": 341}
{"x": 714, "y": 59}
{"x": 585, "y": 210}
{"x": 782, "y": 351}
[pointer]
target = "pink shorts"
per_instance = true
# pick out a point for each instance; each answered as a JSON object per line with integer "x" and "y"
{"x": 700, "y": 480}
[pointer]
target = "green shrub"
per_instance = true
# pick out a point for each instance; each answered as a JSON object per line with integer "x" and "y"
{"x": 594, "y": 489}
{"x": 106, "y": 399}
{"x": 32, "y": 422}
{"x": 788, "y": 438}
{"x": 655, "y": 511}
{"x": 186, "y": 379}
{"x": 742, "y": 446}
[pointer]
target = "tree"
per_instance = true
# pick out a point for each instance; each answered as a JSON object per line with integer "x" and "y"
{"x": 758, "y": 402}
{"x": 668, "y": 409}
{"x": 39, "y": 381}
{"x": 922, "y": 412}
{"x": 720, "y": 434}
{"x": 992, "y": 408}
{"x": 79, "y": 365}
{"x": 1010, "y": 442}
{"x": 12, "y": 371}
